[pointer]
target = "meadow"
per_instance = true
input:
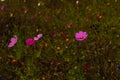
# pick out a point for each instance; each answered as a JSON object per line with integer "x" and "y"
{"x": 60, "y": 40}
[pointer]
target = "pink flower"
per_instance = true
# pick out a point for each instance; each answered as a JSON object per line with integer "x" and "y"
{"x": 13, "y": 41}
{"x": 30, "y": 41}
{"x": 69, "y": 25}
{"x": 2, "y": 8}
{"x": 80, "y": 36}
{"x": 38, "y": 37}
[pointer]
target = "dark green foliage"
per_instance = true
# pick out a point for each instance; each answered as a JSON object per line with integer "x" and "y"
{"x": 53, "y": 57}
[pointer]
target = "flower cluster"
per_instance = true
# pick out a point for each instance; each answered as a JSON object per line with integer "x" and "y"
{"x": 29, "y": 41}
{"x": 80, "y": 36}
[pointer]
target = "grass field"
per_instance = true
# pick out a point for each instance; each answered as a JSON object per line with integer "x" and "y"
{"x": 57, "y": 54}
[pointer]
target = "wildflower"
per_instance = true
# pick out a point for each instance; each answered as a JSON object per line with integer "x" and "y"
{"x": 67, "y": 39}
{"x": 99, "y": 16}
{"x": 14, "y": 61}
{"x": 66, "y": 47}
{"x": 77, "y": 2}
{"x": 13, "y": 41}
{"x": 11, "y": 14}
{"x": 56, "y": 63}
{"x": 80, "y": 36}
{"x": 38, "y": 37}
{"x": 38, "y": 4}
{"x": 58, "y": 48}
{"x": 30, "y": 41}
{"x": 25, "y": 10}
{"x": 69, "y": 25}
{"x": 118, "y": 67}
{"x": 2, "y": 0}
{"x": 2, "y": 8}
{"x": 43, "y": 78}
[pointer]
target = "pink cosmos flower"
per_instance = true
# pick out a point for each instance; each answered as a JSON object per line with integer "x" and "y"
{"x": 30, "y": 42}
{"x": 2, "y": 8}
{"x": 38, "y": 37}
{"x": 80, "y": 36}
{"x": 13, "y": 41}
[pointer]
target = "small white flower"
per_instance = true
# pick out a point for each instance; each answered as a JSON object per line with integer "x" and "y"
{"x": 38, "y": 4}
{"x": 2, "y": 0}
{"x": 77, "y": 2}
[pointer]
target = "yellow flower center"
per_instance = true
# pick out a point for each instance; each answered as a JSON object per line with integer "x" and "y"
{"x": 81, "y": 37}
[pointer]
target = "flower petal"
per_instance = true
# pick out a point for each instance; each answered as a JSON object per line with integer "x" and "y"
{"x": 39, "y": 35}
{"x": 36, "y": 38}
